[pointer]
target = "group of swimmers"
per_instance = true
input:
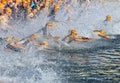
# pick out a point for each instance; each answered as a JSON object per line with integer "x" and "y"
{"x": 31, "y": 7}
{"x": 14, "y": 44}
{"x": 18, "y": 45}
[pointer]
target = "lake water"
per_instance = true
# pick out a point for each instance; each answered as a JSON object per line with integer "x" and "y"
{"x": 97, "y": 61}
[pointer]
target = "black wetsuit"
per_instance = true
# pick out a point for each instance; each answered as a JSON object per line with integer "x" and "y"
{"x": 13, "y": 48}
{"x": 69, "y": 40}
{"x": 26, "y": 42}
{"x": 52, "y": 13}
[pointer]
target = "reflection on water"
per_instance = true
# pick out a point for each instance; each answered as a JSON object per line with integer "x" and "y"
{"x": 88, "y": 67}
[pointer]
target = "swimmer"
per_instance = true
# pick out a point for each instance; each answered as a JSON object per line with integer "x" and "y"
{"x": 74, "y": 37}
{"x": 101, "y": 33}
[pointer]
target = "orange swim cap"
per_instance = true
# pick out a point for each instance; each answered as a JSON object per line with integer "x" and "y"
{"x": 108, "y": 18}
{"x": 102, "y": 31}
{"x": 8, "y": 10}
{"x": 73, "y": 31}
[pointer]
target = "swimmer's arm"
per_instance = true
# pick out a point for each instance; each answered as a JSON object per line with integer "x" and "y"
{"x": 82, "y": 39}
{"x": 21, "y": 46}
{"x": 37, "y": 44}
{"x": 56, "y": 38}
{"x": 104, "y": 36}
{"x": 65, "y": 38}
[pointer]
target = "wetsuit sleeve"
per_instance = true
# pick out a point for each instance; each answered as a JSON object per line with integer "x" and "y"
{"x": 66, "y": 38}
{"x": 44, "y": 29}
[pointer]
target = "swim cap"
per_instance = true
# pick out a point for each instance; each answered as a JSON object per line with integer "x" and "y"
{"x": 9, "y": 39}
{"x": 51, "y": 24}
{"x": 45, "y": 43}
{"x": 28, "y": 1}
{"x": 24, "y": 1}
{"x": 3, "y": 1}
{"x": 15, "y": 39}
{"x": 102, "y": 31}
{"x": 8, "y": 10}
{"x": 1, "y": 7}
{"x": 73, "y": 31}
{"x": 108, "y": 18}
{"x": 35, "y": 36}
{"x": 46, "y": 3}
{"x": 56, "y": 6}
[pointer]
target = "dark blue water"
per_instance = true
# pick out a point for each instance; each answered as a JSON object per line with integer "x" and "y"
{"x": 94, "y": 65}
